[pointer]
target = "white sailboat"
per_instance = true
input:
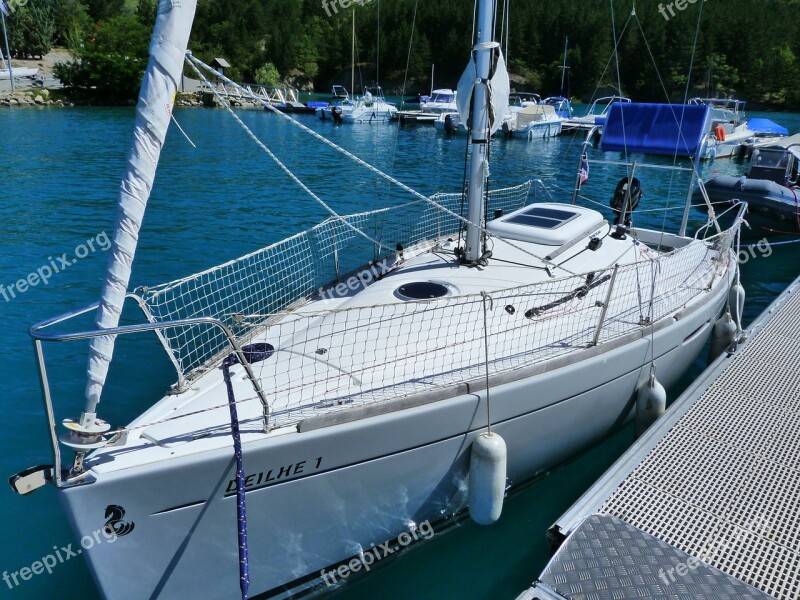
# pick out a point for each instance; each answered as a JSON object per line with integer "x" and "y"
{"x": 352, "y": 380}
{"x": 17, "y": 72}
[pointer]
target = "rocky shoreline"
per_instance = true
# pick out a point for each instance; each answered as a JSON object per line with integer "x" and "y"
{"x": 42, "y": 97}
{"x": 30, "y": 98}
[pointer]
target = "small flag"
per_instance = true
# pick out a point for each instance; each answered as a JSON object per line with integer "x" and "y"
{"x": 4, "y": 8}
{"x": 584, "y": 172}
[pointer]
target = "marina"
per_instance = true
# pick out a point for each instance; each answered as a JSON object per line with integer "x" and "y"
{"x": 322, "y": 354}
{"x": 706, "y": 498}
{"x": 465, "y": 543}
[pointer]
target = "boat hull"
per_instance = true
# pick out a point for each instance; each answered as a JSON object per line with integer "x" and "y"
{"x": 18, "y": 73}
{"x": 319, "y": 497}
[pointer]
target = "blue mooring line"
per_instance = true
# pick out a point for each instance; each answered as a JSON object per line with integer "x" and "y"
{"x": 241, "y": 508}
{"x": 754, "y": 246}
{"x": 253, "y": 353}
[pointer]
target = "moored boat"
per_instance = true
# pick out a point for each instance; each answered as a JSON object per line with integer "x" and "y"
{"x": 730, "y": 130}
{"x": 771, "y": 189}
{"x": 331, "y": 388}
{"x": 595, "y": 115}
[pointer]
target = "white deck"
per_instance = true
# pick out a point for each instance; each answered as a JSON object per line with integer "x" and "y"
{"x": 370, "y": 346}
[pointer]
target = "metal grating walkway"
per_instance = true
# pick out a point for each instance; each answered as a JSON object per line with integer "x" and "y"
{"x": 718, "y": 477}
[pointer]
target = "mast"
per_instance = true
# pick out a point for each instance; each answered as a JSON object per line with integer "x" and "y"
{"x": 353, "y": 58}
{"x": 378, "y": 51}
{"x": 564, "y": 67}
{"x": 153, "y": 114}
{"x": 5, "y": 38}
{"x": 433, "y": 69}
{"x": 480, "y": 131}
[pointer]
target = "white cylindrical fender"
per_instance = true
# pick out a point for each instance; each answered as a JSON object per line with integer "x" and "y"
{"x": 722, "y": 337}
{"x": 487, "y": 478}
{"x": 736, "y": 298}
{"x": 651, "y": 403}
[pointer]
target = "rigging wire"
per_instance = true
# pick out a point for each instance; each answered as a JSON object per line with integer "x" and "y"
{"x": 282, "y": 166}
{"x": 408, "y": 57}
{"x": 619, "y": 83}
{"x": 194, "y": 62}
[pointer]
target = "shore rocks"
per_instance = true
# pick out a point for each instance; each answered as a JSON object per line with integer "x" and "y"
{"x": 26, "y": 98}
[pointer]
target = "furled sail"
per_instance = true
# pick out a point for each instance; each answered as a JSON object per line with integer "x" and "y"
{"x": 499, "y": 88}
{"x": 153, "y": 113}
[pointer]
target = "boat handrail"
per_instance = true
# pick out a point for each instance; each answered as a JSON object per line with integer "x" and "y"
{"x": 39, "y": 336}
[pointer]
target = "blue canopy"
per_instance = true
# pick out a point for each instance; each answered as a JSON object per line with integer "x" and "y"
{"x": 766, "y": 126}
{"x": 666, "y": 129}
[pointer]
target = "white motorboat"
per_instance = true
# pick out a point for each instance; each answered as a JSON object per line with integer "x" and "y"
{"x": 598, "y": 111}
{"x": 339, "y": 98}
{"x": 332, "y": 391}
{"x": 730, "y": 130}
{"x": 440, "y": 101}
{"x": 372, "y": 107}
{"x": 532, "y": 121}
{"x": 561, "y": 104}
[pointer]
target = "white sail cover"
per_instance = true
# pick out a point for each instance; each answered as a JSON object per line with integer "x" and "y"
{"x": 156, "y": 97}
{"x": 499, "y": 89}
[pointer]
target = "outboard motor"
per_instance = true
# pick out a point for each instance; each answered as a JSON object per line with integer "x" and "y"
{"x": 336, "y": 114}
{"x": 450, "y": 125}
{"x": 626, "y": 200}
{"x": 507, "y": 132}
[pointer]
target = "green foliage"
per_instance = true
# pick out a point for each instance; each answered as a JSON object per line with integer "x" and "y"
{"x": 32, "y": 28}
{"x": 758, "y": 38}
{"x": 72, "y": 23}
{"x": 101, "y": 10}
{"x": 109, "y": 68}
{"x": 268, "y": 75}
{"x": 747, "y": 48}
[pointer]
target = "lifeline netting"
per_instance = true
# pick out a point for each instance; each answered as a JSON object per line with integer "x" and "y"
{"x": 332, "y": 360}
{"x": 327, "y": 360}
{"x": 271, "y": 279}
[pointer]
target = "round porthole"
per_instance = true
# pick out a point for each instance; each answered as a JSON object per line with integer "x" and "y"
{"x": 422, "y": 290}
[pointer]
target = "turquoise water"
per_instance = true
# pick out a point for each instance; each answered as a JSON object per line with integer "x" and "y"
{"x": 60, "y": 172}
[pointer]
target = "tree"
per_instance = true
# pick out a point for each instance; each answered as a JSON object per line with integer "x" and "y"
{"x": 109, "y": 69}
{"x": 268, "y": 75}
{"x": 32, "y": 29}
{"x": 72, "y": 22}
{"x": 101, "y": 10}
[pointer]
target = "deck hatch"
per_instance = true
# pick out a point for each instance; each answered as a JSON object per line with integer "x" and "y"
{"x": 422, "y": 290}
